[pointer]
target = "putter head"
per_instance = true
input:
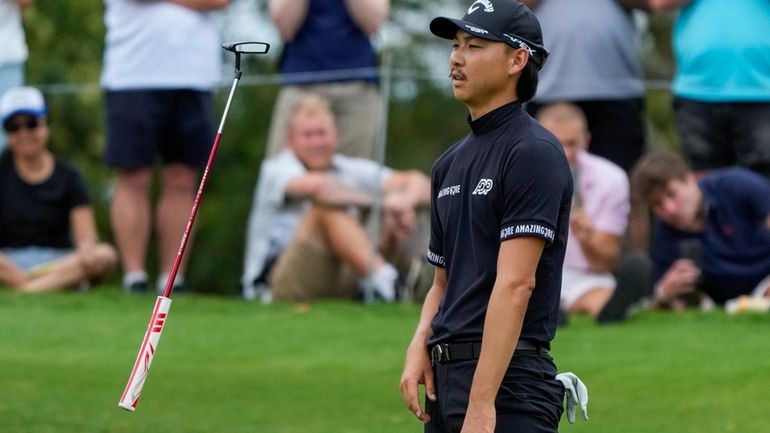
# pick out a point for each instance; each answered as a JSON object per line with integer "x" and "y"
{"x": 246, "y": 47}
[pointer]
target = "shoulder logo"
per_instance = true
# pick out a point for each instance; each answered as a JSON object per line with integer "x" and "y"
{"x": 484, "y": 186}
{"x": 488, "y": 7}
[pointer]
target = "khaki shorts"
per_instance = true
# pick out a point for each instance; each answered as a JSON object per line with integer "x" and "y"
{"x": 304, "y": 273}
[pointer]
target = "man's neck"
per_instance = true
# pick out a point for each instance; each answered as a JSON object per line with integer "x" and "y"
{"x": 479, "y": 110}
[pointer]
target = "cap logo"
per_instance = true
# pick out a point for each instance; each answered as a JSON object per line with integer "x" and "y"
{"x": 520, "y": 43}
{"x": 488, "y": 7}
{"x": 476, "y": 30}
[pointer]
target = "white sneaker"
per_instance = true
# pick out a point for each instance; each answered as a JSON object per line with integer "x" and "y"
{"x": 380, "y": 285}
{"x": 258, "y": 292}
{"x": 135, "y": 281}
{"x": 160, "y": 284}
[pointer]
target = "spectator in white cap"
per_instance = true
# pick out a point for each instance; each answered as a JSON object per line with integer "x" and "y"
{"x": 48, "y": 238}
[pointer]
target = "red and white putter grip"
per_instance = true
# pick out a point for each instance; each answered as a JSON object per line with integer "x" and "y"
{"x": 141, "y": 368}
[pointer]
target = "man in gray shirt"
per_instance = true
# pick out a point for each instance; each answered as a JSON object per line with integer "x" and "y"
{"x": 594, "y": 64}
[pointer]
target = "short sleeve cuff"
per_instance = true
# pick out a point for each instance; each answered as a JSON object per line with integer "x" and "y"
{"x": 435, "y": 259}
{"x": 528, "y": 228}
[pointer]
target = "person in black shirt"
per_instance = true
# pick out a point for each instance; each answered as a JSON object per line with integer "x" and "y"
{"x": 48, "y": 238}
{"x": 499, "y": 218}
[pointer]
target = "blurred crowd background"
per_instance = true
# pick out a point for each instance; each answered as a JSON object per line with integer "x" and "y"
{"x": 66, "y": 44}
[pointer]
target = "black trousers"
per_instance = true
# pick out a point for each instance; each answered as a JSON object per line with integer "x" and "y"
{"x": 529, "y": 400}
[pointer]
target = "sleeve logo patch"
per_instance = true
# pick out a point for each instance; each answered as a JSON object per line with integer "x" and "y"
{"x": 435, "y": 258}
{"x": 527, "y": 229}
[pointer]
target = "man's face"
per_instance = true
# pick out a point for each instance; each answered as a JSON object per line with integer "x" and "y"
{"x": 313, "y": 138}
{"x": 678, "y": 203}
{"x": 27, "y": 135}
{"x": 572, "y": 135}
{"x": 479, "y": 69}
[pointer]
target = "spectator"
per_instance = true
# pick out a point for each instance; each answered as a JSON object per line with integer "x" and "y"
{"x": 302, "y": 236}
{"x": 13, "y": 50}
{"x": 600, "y": 206}
{"x": 48, "y": 238}
{"x": 161, "y": 62}
{"x": 595, "y": 65}
{"x": 722, "y": 82}
{"x": 711, "y": 234}
{"x": 326, "y": 50}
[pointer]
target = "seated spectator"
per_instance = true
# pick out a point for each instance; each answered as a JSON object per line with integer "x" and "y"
{"x": 48, "y": 238}
{"x": 304, "y": 237}
{"x": 711, "y": 235}
{"x": 599, "y": 215}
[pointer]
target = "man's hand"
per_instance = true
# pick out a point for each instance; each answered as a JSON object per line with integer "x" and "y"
{"x": 580, "y": 224}
{"x": 480, "y": 419}
{"x": 653, "y": 5}
{"x": 89, "y": 259}
{"x": 679, "y": 279}
{"x": 601, "y": 248}
{"x": 417, "y": 371}
{"x": 664, "y": 5}
{"x": 202, "y": 5}
{"x": 399, "y": 216}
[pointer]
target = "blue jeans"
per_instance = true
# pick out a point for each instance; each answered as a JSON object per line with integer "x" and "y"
{"x": 28, "y": 258}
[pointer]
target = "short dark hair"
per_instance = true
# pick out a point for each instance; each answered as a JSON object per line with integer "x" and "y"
{"x": 527, "y": 84}
{"x": 654, "y": 171}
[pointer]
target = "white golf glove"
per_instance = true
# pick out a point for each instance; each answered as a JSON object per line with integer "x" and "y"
{"x": 577, "y": 394}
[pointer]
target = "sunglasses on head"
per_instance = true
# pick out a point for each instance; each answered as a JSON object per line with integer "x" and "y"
{"x": 28, "y": 122}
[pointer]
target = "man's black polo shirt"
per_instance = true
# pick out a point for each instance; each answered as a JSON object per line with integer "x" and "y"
{"x": 507, "y": 178}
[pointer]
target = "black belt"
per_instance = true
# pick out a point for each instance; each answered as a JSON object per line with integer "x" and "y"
{"x": 447, "y": 352}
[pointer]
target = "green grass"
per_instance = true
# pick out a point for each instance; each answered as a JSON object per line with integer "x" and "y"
{"x": 228, "y": 366}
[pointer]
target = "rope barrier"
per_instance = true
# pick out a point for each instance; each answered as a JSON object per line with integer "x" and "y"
{"x": 259, "y": 80}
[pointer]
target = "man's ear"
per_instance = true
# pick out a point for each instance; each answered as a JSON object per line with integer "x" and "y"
{"x": 517, "y": 60}
{"x": 587, "y": 138}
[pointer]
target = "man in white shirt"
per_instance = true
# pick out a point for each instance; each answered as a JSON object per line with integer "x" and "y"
{"x": 162, "y": 60}
{"x": 304, "y": 237}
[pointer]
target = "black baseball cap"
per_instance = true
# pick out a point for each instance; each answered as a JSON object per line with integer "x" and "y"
{"x": 506, "y": 21}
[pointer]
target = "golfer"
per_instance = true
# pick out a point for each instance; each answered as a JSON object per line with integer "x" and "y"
{"x": 500, "y": 204}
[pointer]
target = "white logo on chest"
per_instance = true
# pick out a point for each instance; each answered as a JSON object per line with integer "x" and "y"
{"x": 484, "y": 186}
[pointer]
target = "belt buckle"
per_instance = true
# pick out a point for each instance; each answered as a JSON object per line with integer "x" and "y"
{"x": 435, "y": 354}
